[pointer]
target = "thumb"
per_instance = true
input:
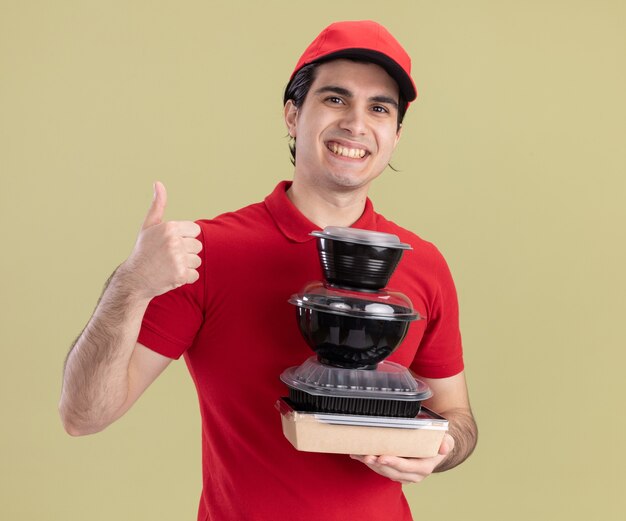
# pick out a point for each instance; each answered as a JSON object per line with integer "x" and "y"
{"x": 447, "y": 445}
{"x": 157, "y": 207}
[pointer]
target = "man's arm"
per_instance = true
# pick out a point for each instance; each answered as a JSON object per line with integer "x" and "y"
{"x": 106, "y": 369}
{"x": 450, "y": 399}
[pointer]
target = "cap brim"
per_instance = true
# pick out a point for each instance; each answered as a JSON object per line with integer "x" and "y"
{"x": 404, "y": 81}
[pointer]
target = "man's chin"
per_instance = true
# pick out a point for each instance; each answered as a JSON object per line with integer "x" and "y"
{"x": 349, "y": 183}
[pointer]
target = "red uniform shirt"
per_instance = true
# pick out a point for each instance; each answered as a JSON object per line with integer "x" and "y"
{"x": 238, "y": 333}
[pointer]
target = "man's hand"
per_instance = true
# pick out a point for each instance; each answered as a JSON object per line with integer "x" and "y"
{"x": 407, "y": 470}
{"x": 165, "y": 255}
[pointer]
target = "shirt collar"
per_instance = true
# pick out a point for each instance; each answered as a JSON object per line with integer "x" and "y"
{"x": 294, "y": 225}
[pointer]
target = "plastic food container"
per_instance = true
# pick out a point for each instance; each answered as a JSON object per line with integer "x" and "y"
{"x": 352, "y": 329}
{"x": 356, "y": 258}
{"x": 418, "y": 437}
{"x": 391, "y": 390}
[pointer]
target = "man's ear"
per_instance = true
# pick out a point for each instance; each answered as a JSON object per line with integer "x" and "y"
{"x": 398, "y": 134}
{"x": 291, "y": 116}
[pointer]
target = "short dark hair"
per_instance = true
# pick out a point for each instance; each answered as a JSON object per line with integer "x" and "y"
{"x": 299, "y": 86}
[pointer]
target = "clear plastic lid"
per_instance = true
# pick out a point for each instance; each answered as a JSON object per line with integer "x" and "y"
{"x": 359, "y": 236}
{"x": 388, "y": 381}
{"x": 382, "y": 304}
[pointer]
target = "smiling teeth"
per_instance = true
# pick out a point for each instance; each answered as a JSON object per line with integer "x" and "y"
{"x": 347, "y": 152}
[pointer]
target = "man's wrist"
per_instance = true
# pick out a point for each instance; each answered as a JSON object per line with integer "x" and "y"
{"x": 129, "y": 284}
{"x": 464, "y": 435}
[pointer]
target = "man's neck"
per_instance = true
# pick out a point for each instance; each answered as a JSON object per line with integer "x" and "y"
{"x": 328, "y": 208}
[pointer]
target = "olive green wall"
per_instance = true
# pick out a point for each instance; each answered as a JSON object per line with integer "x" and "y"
{"x": 512, "y": 161}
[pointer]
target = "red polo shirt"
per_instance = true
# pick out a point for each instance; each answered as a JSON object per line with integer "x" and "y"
{"x": 238, "y": 333}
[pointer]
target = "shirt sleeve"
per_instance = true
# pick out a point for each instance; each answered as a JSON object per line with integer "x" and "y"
{"x": 440, "y": 353}
{"x": 173, "y": 319}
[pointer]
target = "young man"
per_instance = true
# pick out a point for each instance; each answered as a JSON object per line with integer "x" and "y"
{"x": 216, "y": 293}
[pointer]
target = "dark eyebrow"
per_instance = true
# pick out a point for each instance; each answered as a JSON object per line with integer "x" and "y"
{"x": 385, "y": 99}
{"x": 348, "y": 94}
{"x": 336, "y": 90}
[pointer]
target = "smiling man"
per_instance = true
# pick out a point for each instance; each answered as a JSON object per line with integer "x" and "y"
{"x": 346, "y": 129}
{"x": 187, "y": 288}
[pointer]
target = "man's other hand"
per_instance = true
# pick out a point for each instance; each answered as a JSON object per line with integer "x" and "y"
{"x": 407, "y": 470}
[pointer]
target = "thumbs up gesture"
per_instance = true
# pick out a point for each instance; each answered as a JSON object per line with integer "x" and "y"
{"x": 165, "y": 255}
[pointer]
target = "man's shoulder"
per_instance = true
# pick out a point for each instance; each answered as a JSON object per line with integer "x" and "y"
{"x": 424, "y": 260}
{"x": 243, "y": 219}
{"x": 236, "y": 234}
{"x": 413, "y": 239}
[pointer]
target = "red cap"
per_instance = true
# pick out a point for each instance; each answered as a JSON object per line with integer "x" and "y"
{"x": 362, "y": 40}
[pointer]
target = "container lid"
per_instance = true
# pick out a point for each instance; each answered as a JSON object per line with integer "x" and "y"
{"x": 382, "y": 304}
{"x": 388, "y": 381}
{"x": 359, "y": 236}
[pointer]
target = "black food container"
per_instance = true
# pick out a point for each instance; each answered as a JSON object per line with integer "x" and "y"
{"x": 351, "y": 329}
{"x": 360, "y": 259}
{"x": 390, "y": 391}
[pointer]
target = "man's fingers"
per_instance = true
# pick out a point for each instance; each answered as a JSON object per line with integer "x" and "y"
{"x": 193, "y": 261}
{"x": 157, "y": 207}
{"x": 389, "y": 471}
{"x": 404, "y": 470}
{"x": 192, "y": 276}
{"x": 188, "y": 229}
{"x": 400, "y": 464}
{"x": 192, "y": 245}
{"x": 423, "y": 466}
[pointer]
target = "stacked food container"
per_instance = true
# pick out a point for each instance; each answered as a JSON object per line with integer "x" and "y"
{"x": 347, "y": 399}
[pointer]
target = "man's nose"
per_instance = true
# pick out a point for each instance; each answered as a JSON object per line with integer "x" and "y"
{"x": 354, "y": 121}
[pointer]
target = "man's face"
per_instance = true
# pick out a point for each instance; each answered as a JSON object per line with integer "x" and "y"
{"x": 347, "y": 127}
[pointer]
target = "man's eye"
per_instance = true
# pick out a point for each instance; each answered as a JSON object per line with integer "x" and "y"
{"x": 380, "y": 108}
{"x": 334, "y": 99}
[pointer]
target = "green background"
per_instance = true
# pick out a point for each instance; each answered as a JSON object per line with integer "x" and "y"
{"x": 512, "y": 161}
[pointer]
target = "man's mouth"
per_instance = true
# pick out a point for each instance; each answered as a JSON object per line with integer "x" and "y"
{"x": 344, "y": 151}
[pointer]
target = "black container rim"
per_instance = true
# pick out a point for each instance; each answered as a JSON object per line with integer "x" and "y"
{"x": 376, "y": 238}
